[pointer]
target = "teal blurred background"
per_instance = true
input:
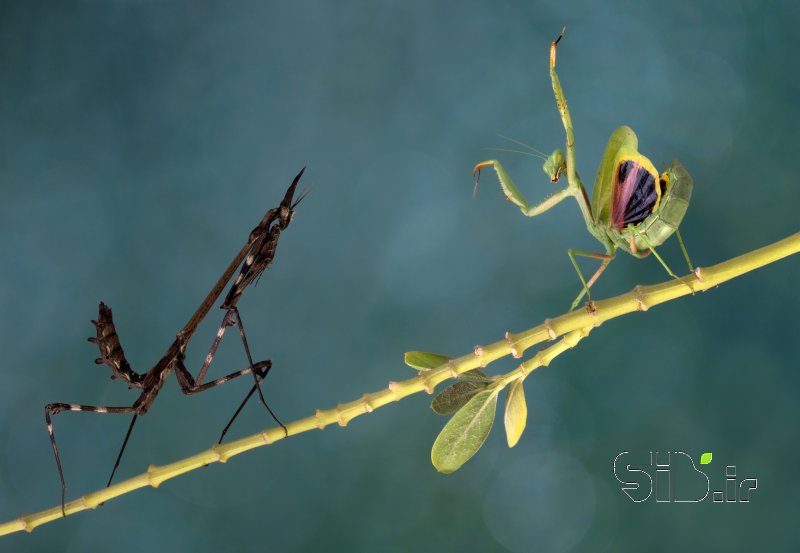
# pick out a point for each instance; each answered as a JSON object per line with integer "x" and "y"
{"x": 141, "y": 141}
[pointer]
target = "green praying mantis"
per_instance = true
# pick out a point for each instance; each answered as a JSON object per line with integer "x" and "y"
{"x": 632, "y": 208}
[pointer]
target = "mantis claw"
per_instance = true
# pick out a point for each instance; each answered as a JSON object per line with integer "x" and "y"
{"x": 476, "y": 172}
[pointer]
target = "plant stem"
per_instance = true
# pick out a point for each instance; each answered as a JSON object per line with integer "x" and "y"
{"x": 579, "y": 323}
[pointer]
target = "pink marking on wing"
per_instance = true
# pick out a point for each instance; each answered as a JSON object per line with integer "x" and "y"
{"x": 623, "y": 192}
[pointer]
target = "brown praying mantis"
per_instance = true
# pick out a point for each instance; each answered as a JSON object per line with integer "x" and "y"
{"x": 255, "y": 256}
{"x": 632, "y": 208}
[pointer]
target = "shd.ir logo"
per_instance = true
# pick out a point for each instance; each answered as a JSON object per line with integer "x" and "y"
{"x": 674, "y": 478}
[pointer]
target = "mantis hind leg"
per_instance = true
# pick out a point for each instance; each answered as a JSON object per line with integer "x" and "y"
{"x": 658, "y": 257}
{"x": 513, "y": 194}
{"x": 683, "y": 249}
{"x": 606, "y": 257}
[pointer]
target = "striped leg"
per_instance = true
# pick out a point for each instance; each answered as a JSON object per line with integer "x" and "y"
{"x": 55, "y": 408}
{"x": 257, "y": 381}
{"x": 259, "y": 371}
{"x": 190, "y": 386}
{"x": 260, "y": 376}
{"x": 227, "y": 321}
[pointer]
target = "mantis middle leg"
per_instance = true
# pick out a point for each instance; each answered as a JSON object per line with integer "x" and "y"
{"x": 606, "y": 259}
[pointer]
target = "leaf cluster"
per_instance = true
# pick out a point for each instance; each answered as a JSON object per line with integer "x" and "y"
{"x": 472, "y": 401}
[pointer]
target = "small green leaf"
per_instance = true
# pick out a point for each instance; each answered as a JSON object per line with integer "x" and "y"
{"x": 475, "y": 375}
{"x": 465, "y": 433}
{"x": 705, "y": 458}
{"x": 455, "y": 396}
{"x": 424, "y": 361}
{"x": 516, "y": 412}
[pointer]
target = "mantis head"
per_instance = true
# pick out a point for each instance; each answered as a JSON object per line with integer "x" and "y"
{"x": 555, "y": 165}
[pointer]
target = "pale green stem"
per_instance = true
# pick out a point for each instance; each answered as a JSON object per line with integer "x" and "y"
{"x": 578, "y": 323}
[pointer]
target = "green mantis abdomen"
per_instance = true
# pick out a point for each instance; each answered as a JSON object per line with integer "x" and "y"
{"x": 667, "y": 217}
